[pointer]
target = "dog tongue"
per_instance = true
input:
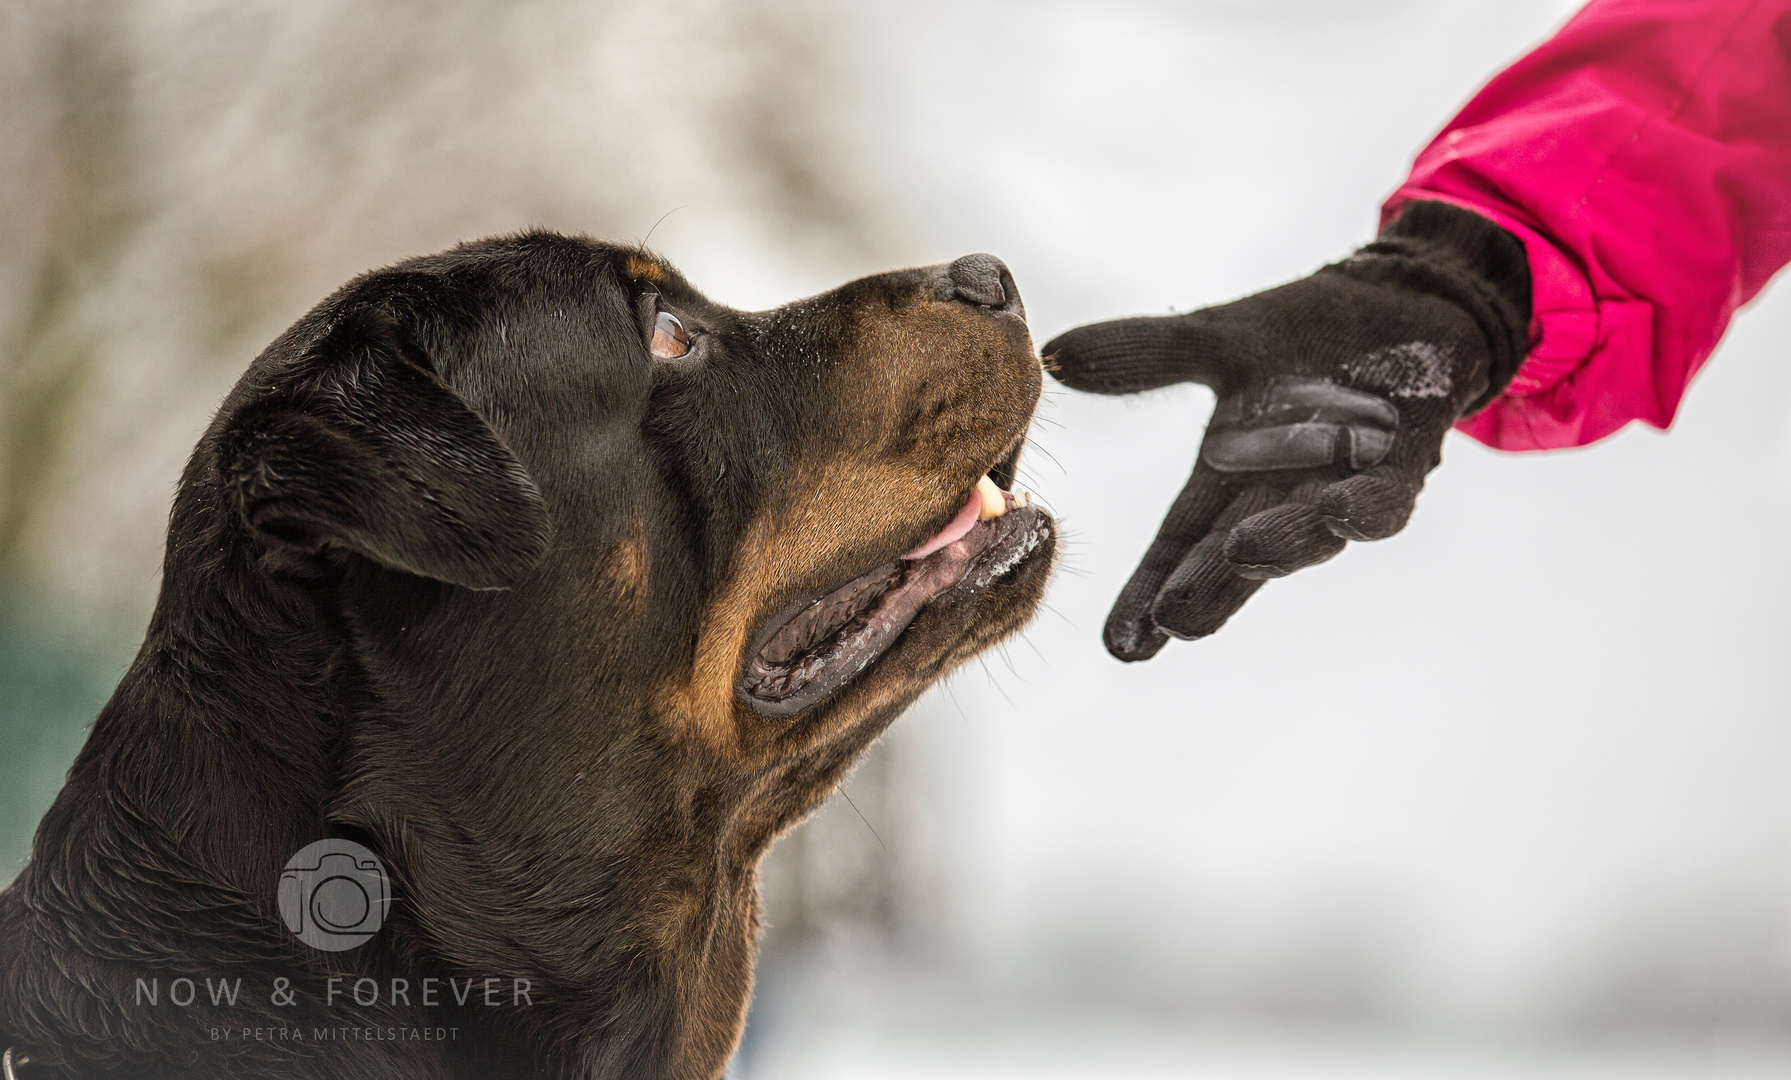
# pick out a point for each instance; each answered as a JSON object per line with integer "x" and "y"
{"x": 960, "y": 525}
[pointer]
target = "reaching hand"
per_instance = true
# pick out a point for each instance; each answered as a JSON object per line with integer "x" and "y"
{"x": 1335, "y": 392}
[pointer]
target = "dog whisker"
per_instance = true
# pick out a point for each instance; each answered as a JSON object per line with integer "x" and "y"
{"x": 659, "y": 222}
{"x": 995, "y": 683}
{"x": 866, "y": 820}
{"x": 1071, "y": 623}
{"x": 950, "y": 693}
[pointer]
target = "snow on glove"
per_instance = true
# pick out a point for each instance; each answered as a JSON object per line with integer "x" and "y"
{"x": 1335, "y": 392}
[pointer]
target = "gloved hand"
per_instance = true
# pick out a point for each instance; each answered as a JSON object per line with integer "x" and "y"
{"x": 1335, "y": 392}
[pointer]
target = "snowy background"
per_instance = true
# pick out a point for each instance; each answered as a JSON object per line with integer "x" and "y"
{"x": 1504, "y": 796}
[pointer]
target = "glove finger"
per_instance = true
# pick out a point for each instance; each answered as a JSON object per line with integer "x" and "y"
{"x": 1280, "y": 540}
{"x": 1370, "y": 506}
{"x": 1205, "y": 590}
{"x": 1124, "y": 356}
{"x": 1130, "y": 635}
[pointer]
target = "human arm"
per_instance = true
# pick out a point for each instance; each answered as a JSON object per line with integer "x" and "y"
{"x": 1641, "y": 162}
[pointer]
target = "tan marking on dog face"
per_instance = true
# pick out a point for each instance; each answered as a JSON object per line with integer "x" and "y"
{"x": 782, "y": 550}
{"x": 623, "y": 570}
{"x": 923, "y": 404}
{"x": 714, "y": 992}
{"x": 674, "y": 911}
{"x": 643, "y": 267}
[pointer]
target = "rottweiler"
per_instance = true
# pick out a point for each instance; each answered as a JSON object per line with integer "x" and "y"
{"x": 516, "y": 599}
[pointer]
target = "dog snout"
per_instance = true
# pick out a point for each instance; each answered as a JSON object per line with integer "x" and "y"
{"x": 985, "y": 281}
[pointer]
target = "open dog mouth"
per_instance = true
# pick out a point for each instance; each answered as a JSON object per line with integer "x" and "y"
{"x": 817, "y": 646}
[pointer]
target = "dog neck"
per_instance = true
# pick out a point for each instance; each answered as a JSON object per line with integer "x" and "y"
{"x": 217, "y": 758}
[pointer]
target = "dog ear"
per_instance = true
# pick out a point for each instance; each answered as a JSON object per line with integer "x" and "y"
{"x": 368, "y": 450}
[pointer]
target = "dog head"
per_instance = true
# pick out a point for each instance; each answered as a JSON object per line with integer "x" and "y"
{"x": 621, "y": 580}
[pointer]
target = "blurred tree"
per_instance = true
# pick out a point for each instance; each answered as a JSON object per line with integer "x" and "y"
{"x": 72, "y": 207}
{"x": 179, "y": 181}
{"x": 183, "y": 180}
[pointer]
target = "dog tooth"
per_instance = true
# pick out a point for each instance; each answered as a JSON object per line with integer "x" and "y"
{"x": 993, "y": 504}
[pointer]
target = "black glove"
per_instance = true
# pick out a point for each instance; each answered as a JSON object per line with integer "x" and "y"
{"x": 1335, "y": 393}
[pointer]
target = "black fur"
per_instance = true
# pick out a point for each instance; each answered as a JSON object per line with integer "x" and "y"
{"x": 441, "y": 577}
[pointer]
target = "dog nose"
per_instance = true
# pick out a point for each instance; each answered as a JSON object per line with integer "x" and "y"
{"x": 984, "y": 280}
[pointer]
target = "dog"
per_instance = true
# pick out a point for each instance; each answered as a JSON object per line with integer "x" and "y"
{"x": 516, "y": 599}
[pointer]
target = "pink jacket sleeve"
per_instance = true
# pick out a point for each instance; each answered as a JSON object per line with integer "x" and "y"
{"x": 1643, "y": 156}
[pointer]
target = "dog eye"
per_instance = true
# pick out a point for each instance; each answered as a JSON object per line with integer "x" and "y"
{"x": 670, "y": 340}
